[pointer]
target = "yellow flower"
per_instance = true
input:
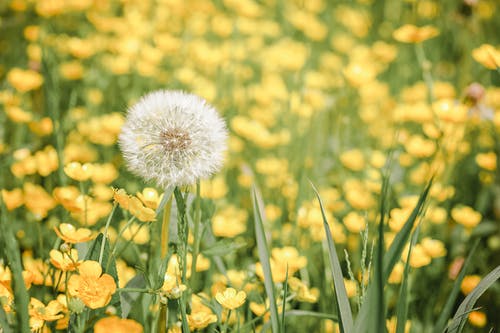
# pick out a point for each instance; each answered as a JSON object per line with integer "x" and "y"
{"x": 24, "y": 80}
{"x": 42, "y": 127}
{"x": 142, "y": 213}
{"x": 351, "y": 287}
{"x": 172, "y": 287}
{"x": 231, "y": 299}
{"x": 304, "y": 294}
{"x": 289, "y": 255}
{"x": 117, "y": 325}
{"x": 70, "y": 234}
{"x": 104, "y": 173}
{"x": 469, "y": 283}
{"x": 39, "y": 313}
{"x": 149, "y": 197}
{"x": 72, "y": 70}
{"x": 417, "y": 146}
{"x": 398, "y": 217}
{"x": 409, "y": 33}
{"x": 67, "y": 196}
{"x": 65, "y": 261}
{"x": 229, "y": 222}
{"x": 433, "y": 247}
{"x": 354, "y": 222}
{"x": 18, "y": 115}
{"x": 487, "y": 55}
{"x": 487, "y": 161}
{"x": 134, "y": 206}
{"x": 13, "y": 199}
{"x": 37, "y": 200}
{"x": 397, "y": 273}
{"x": 122, "y": 198}
{"x": 466, "y": 216}
{"x": 200, "y": 320}
{"x": 94, "y": 289}
{"x": 478, "y": 318}
{"x": 353, "y": 160}
{"x": 79, "y": 172}
{"x": 418, "y": 256}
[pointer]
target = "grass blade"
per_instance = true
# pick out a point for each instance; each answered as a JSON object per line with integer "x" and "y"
{"x": 12, "y": 252}
{"x": 391, "y": 257}
{"x": 345, "y": 314}
{"x": 376, "y": 318}
{"x": 299, "y": 313}
{"x": 394, "y": 253}
{"x": 285, "y": 292}
{"x": 264, "y": 260}
{"x": 458, "y": 322}
{"x": 4, "y": 323}
{"x": 445, "y": 313}
{"x": 402, "y": 307}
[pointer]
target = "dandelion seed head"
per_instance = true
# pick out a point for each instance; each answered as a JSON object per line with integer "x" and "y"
{"x": 173, "y": 138}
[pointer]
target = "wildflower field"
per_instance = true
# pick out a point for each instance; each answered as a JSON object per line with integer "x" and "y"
{"x": 249, "y": 166}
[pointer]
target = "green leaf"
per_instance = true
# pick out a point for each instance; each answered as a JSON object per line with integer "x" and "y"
{"x": 458, "y": 322}
{"x": 450, "y": 302}
{"x": 222, "y": 247}
{"x": 264, "y": 260}
{"x": 129, "y": 298}
{"x": 345, "y": 314}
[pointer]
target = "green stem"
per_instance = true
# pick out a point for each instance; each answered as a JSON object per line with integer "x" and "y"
{"x": 196, "y": 232}
{"x": 226, "y": 324}
{"x": 136, "y": 290}
{"x": 426, "y": 73}
{"x": 82, "y": 189}
{"x": 165, "y": 228}
{"x": 101, "y": 254}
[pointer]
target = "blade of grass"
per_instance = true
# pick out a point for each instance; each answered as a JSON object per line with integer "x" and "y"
{"x": 283, "y": 308}
{"x": 297, "y": 313}
{"x": 445, "y": 313}
{"x": 345, "y": 313}
{"x": 402, "y": 307}
{"x": 21, "y": 297}
{"x": 390, "y": 259}
{"x": 376, "y": 318}
{"x": 264, "y": 260}
{"x": 4, "y": 323}
{"x": 458, "y": 322}
{"x": 394, "y": 252}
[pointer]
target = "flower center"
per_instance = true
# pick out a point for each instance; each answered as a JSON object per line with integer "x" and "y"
{"x": 175, "y": 139}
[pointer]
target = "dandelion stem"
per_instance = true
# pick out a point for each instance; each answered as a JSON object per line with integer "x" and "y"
{"x": 165, "y": 225}
{"x": 196, "y": 232}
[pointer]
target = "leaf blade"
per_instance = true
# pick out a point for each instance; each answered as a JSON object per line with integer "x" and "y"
{"x": 264, "y": 260}
{"x": 345, "y": 312}
{"x": 458, "y": 322}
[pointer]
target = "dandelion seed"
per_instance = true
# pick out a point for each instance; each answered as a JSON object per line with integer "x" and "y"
{"x": 173, "y": 138}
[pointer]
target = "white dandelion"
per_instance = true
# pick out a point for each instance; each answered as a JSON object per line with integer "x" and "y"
{"x": 173, "y": 138}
